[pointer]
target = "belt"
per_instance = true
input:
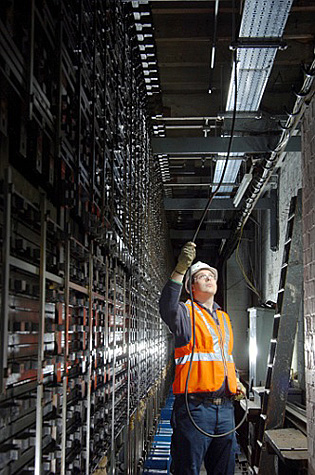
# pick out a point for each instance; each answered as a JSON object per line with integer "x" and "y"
{"x": 217, "y": 401}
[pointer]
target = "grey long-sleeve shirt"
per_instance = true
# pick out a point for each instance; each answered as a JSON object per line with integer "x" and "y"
{"x": 176, "y": 316}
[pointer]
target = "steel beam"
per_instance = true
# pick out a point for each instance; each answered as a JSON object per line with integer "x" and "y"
{"x": 214, "y": 145}
{"x": 196, "y": 181}
{"x": 196, "y": 185}
{"x": 204, "y": 39}
{"x": 207, "y": 234}
{"x": 192, "y": 204}
{"x": 26, "y": 266}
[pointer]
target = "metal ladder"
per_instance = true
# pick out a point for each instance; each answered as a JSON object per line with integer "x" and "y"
{"x": 289, "y": 298}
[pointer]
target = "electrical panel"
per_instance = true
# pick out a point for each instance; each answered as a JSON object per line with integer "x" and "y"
{"x": 84, "y": 354}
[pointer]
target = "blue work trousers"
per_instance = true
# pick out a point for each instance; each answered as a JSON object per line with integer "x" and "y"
{"x": 190, "y": 448}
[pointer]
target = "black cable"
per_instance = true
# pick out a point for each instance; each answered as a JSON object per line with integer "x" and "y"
{"x": 212, "y": 195}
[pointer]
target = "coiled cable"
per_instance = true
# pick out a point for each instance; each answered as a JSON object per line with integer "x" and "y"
{"x": 211, "y": 196}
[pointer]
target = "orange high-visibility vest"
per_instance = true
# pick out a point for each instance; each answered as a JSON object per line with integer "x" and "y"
{"x": 212, "y": 361}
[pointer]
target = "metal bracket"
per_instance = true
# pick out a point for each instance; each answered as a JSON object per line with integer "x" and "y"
{"x": 257, "y": 42}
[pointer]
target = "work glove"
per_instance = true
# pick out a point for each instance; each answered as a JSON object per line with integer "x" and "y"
{"x": 186, "y": 257}
{"x": 240, "y": 391}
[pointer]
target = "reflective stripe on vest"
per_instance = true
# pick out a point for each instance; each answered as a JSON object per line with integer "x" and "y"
{"x": 214, "y": 336}
{"x": 228, "y": 357}
{"x": 216, "y": 345}
{"x": 198, "y": 357}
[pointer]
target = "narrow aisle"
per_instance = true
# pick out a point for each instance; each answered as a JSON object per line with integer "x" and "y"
{"x": 159, "y": 458}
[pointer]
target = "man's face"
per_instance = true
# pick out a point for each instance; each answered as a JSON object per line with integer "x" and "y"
{"x": 204, "y": 281}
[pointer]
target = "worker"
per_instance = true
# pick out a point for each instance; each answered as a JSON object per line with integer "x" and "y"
{"x": 213, "y": 383}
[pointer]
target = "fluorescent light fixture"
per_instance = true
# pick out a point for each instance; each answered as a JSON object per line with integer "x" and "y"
{"x": 212, "y": 57}
{"x": 242, "y": 188}
{"x": 230, "y": 174}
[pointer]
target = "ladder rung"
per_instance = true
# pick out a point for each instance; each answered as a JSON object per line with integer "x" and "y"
{"x": 277, "y": 315}
{"x": 263, "y": 416}
{"x": 259, "y": 443}
{"x": 272, "y": 352}
{"x": 270, "y": 365}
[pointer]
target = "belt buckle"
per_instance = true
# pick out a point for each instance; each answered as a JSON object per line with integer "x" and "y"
{"x": 217, "y": 401}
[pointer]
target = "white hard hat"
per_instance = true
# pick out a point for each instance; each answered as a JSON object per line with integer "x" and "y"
{"x": 196, "y": 268}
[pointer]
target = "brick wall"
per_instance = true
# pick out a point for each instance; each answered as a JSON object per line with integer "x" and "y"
{"x": 290, "y": 181}
{"x": 308, "y": 159}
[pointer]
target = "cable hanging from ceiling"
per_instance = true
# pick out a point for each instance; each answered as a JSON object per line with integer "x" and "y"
{"x": 212, "y": 194}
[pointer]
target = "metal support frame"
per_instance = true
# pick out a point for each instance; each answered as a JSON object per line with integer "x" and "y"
{"x": 66, "y": 354}
{"x": 27, "y": 267}
{"x": 93, "y": 106}
{"x": 31, "y": 60}
{"x": 89, "y": 373}
{"x": 256, "y": 42}
{"x": 41, "y": 331}
{"x": 80, "y": 415}
{"x": 185, "y": 204}
{"x": 207, "y": 234}
{"x": 79, "y": 101}
{"x": 127, "y": 286}
{"x": 113, "y": 454}
{"x": 5, "y": 278}
{"x": 214, "y": 145}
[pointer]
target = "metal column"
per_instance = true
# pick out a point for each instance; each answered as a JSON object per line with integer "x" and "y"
{"x": 41, "y": 331}
{"x": 5, "y": 278}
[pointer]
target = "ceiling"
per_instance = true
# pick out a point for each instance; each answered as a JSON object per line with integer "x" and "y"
{"x": 192, "y": 117}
